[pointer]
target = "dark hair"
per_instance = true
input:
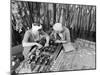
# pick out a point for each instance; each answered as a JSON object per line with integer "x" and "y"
{"x": 36, "y": 18}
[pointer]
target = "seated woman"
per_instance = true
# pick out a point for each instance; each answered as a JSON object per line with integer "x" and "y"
{"x": 62, "y": 35}
{"x": 32, "y": 36}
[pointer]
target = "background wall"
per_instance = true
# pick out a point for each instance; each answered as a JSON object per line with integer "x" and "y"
{"x": 80, "y": 19}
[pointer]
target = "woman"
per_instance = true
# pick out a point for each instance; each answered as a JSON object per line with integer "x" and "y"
{"x": 32, "y": 36}
{"x": 62, "y": 35}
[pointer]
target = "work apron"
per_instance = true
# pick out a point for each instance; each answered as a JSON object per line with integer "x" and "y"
{"x": 68, "y": 47}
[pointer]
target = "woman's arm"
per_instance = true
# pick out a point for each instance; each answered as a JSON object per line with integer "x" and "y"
{"x": 47, "y": 38}
{"x": 25, "y": 42}
{"x": 61, "y": 41}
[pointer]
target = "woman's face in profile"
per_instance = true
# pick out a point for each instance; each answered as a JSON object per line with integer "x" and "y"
{"x": 60, "y": 31}
{"x": 35, "y": 32}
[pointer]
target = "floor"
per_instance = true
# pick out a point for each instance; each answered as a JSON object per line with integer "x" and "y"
{"x": 79, "y": 59}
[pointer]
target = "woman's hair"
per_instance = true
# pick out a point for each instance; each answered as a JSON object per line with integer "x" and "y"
{"x": 36, "y": 19}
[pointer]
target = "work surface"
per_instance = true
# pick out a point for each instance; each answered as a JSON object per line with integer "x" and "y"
{"x": 41, "y": 62}
{"x": 81, "y": 58}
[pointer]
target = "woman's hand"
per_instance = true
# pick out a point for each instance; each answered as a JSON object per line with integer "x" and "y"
{"x": 60, "y": 41}
{"x": 46, "y": 44}
{"x": 57, "y": 41}
{"x": 39, "y": 45}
